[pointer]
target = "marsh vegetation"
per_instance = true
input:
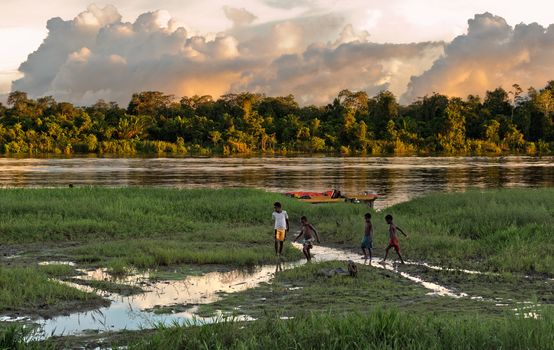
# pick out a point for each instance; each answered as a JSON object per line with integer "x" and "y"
{"x": 506, "y": 234}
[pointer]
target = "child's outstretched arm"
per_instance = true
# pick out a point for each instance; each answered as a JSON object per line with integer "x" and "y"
{"x": 299, "y": 235}
{"x": 399, "y": 229}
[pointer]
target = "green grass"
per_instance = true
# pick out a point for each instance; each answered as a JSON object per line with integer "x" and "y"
{"x": 29, "y": 290}
{"x": 381, "y": 329}
{"x": 15, "y": 336}
{"x": 57, "y": 270}
{"x": 146, "y": 253}
{"x": 509, "y": 231}
{"x": 305, "y": 290}
{"x": 508, "y": 288}
{"x": 85, "y": 214}
{"x": 497, "y": 230}
{"x": 91, "y": 214}
{"x": 145, "y": 227}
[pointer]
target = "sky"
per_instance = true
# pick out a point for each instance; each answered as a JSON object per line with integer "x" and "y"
{"x": 82, "y": 51}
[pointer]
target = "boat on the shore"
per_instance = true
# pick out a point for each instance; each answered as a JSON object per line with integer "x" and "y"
{"x": 333, "y": 196}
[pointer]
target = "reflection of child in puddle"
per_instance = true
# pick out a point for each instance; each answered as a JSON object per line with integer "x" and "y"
{"x": 278, "y": 267}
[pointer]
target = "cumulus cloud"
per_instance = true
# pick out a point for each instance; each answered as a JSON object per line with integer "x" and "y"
{"x": 316, "y": 75}
{"x": 348, "y": 35}
{"x": 239, "y": 17}
{"x": 491, "y": 54}
{"x": 288, "y": 4}
{"x": 98, "y": 55}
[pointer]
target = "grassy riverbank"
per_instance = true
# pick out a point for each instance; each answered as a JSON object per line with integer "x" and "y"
{"x": 499, "y": 230}
{"x": 142, "y": 227}
{"x": 502, "y": 230}
{"x": 507, "y": 232}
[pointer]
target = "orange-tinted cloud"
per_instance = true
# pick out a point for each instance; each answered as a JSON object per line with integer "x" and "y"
{"x": 97, "y": 55}
{"x": 491, "y": 54}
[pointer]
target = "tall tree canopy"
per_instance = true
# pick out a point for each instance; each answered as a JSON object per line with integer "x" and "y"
{"x": 354, "y": 123}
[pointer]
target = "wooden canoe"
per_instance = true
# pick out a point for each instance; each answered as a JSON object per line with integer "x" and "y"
{"x": 326, "y": 197}
{"x": 367, "y": 198}
{"x": 361, "y": 197}
{"x": 321, "y": 200}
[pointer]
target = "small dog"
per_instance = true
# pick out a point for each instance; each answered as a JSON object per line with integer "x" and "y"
{"x": 352, "y": 269}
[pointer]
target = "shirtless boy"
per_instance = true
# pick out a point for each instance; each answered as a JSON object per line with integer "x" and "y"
{"x": 393, "y": 238}
{"x": 309, "y": 232}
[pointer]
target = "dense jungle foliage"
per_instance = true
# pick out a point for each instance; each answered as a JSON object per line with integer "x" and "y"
{"x": 503, "y": 122}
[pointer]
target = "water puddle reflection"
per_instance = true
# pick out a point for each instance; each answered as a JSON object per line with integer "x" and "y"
{"x": 135, "y": 312}
{"x": 48, "y": 263}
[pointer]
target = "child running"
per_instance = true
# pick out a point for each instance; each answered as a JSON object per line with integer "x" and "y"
{"x": 393, "y": 238}
{"x": 281, "y": 227}
{"x": 308, "y": 231}
{"x": 367, "y": 241}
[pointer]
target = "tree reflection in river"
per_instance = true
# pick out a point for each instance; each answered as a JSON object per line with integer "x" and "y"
{"x": 396, "y": 179}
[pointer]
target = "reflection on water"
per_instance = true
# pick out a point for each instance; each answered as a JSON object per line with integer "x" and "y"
{"x": 396, "y": 179}
{"x": 135, "y": 312}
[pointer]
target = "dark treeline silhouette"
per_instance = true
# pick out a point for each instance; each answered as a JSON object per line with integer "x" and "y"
{"x": 501, "y": 122}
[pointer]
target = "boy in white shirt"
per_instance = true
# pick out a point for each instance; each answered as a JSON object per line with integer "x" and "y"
{"x": 281, "y": 227}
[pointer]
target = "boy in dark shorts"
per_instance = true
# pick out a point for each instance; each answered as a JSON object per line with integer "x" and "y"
{"x": 367, "y": 241}
{"x": 309, "y": 232}
{"x": 393, "y": 238}
{"x": 281, "y": 227}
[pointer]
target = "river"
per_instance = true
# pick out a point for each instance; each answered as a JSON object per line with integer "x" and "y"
{"x": 395, "y": 179}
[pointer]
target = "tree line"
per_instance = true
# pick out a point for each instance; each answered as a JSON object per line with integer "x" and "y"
{"x": 514, "y": 122}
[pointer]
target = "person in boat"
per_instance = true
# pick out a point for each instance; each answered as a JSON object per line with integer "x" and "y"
{"x": 393, "y": 238}
{"x": 281, "y": 227}
{"x": 336, "y": 194}
{"x": 367, "y": 241}
{"x": 309, "y": 232}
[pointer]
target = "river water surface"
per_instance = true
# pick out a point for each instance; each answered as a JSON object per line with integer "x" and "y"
{"x": 396, "y": 179}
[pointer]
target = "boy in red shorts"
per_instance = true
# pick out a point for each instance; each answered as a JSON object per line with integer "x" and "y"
{"x": 393, "y": 238}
